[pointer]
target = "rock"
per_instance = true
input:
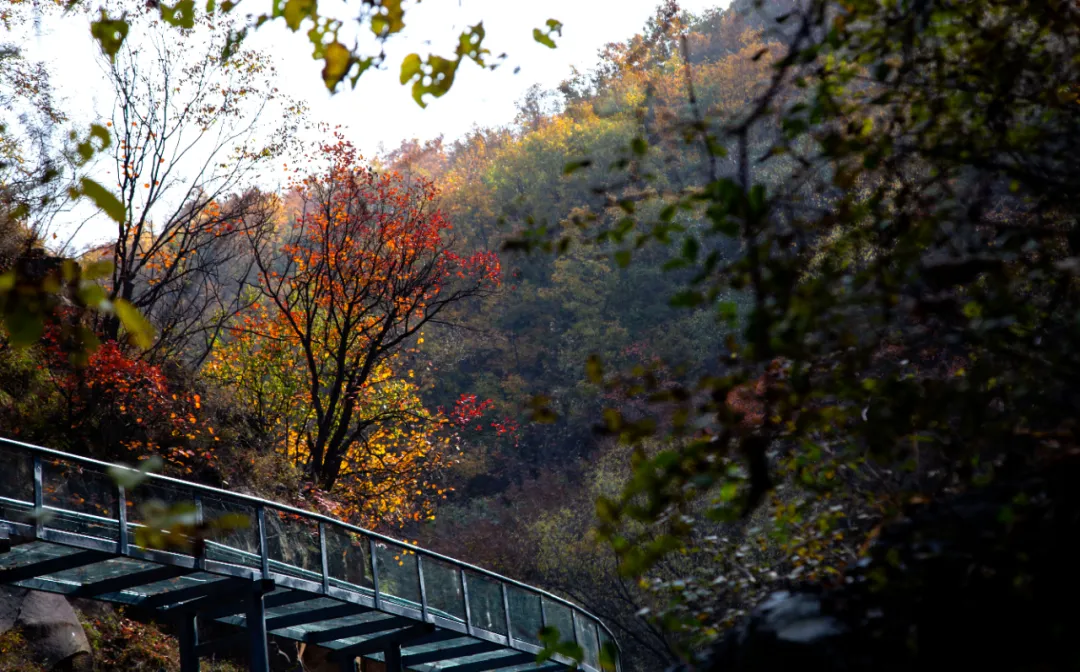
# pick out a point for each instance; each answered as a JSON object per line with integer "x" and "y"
{"x": 51, "y": 627}
{"x": 785, "y": 629}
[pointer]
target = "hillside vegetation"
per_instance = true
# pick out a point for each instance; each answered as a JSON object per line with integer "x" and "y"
{"x": 689, "y": 329}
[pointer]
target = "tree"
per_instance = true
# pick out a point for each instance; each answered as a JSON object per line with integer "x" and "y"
{"x": 346, "y": 286}
{"x": 901, "y": 315}
{"x": 35, "y": 169}
{"x": 190, "y": 136}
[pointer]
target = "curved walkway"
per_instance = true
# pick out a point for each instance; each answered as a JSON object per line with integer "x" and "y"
{"x": 67, "y": 527}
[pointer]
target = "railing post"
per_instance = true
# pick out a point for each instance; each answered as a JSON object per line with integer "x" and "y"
{"x": 599, "y": 646}
{"x": 465, "y": 596}
{"x": 322, "y": 558}
{"x": 39, "y": 499}
{"x": 392, "y": 658}
{"x": 506, "y": 612}
{"x": 189, "y": 643}
{"x": 374, "y": 573}
{"x": 543, "y": 613}
{"x": 260, "y": 515}
{"x": 258, "y": 652}
{"x": 423, "y": 587}
{"x": 573, "y": 625}
{"x": 200, "y": 544}
{"x": 121, "y": 520}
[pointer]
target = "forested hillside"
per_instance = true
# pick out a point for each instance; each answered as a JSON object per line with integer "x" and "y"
{"x": 695, "y": 326}
{"x": 523, "y": 501}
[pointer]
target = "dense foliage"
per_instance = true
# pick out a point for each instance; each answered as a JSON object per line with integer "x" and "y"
{"x": 688, "y": 329}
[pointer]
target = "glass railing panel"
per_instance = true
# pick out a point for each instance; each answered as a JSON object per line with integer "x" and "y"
{"x": 525, "y": 618}
{"x": 16, "y": 475}
{"x": 162, "y": 516}
{"x": 558, "y": 617}
{"x": 235, "y": 535}
{"x": 442, "y": 584}
{"x": 586, "y": 637}
{"x": 486, "y": 604}
{"x": 609, "y": 652}
{"x": 348, "y": 560}
{"x": 82, "y": 499}
{"x": 292, "y": 543}
{"x": 398, "y": 580}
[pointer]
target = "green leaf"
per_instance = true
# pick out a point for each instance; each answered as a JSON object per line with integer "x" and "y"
{"x": 109, "y": 33}
{"x": 96, "y": 270}
{"x": 104, "y": 199}
{"x": 544, "y": 36}
{"x": 687, "y": 299}
{"x": 594, "y": 370}
{"x": 232, "y": 42}
{"x": 543, "y": 39}
{"x": 181, "y": 15}
{"x": 338, "y": 60}
{"x": 411, "y": 67}
{"x": 229, "y": 522}
{"x": 690, "y": 249}
{"x": 130, "y": 477}
{"x": 142, "y": 333}
{"x": 541, "y": 410}
{"x": 295, "y": 11}
{"x": 24, "y": 326}
{"x": 390, "y": 20}
{"x": 86, "y": 149}
{"x": 92, "y": 294}
{"x": 469, "y": 44}
{"x": 575, "y": 166}
{"x": 729, "y": 491}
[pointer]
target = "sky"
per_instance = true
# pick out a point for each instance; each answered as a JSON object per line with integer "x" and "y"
{"x": 382, "y": 110}
{"x": 380, "y": 113}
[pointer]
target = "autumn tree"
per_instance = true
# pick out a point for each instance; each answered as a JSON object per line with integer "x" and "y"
{"x": 344, "y": 289}
{"x": 191, "y": 132}
{"x": 35, "y": 168}
{"x": 900, "y": 309}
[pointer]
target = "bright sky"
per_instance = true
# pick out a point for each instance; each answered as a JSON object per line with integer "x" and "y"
{"x": 380, "y": 111}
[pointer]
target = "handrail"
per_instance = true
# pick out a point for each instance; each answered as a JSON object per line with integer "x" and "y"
{"x": 316, "y": 517}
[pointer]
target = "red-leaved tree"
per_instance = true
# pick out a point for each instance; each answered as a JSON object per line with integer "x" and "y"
{"x": 364, "y": 262}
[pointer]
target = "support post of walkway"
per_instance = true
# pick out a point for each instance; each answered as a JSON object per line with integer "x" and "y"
{"x": 189, "y": 643}
{"x": 392, "y": 656}
{"x": 258, "y": 651}
{"x": 39, "y": 498}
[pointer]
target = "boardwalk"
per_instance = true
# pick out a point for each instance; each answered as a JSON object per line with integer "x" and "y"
{"x": 67, "y": 527}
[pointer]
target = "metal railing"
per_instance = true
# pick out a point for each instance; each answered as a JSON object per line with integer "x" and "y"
{"x": 512, "y": 612}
